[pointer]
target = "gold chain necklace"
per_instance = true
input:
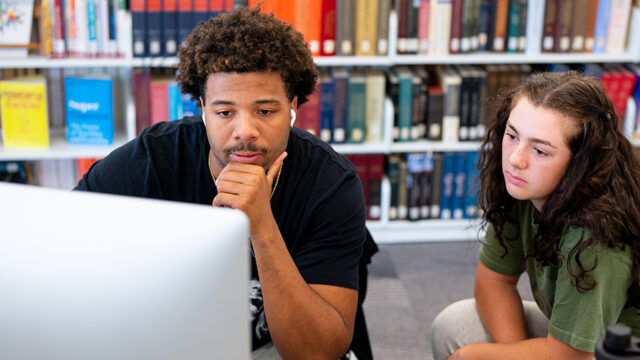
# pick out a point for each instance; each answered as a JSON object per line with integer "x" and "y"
{"x": 274, "y": 186}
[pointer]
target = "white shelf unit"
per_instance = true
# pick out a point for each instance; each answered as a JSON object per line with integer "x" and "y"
{"x": 384, "y": 231}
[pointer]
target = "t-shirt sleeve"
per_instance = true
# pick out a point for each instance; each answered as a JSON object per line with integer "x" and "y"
{"x": 579, "y": 319}
{"x": 124, "y": 171}
{"x": 335, "y": 237}
{"x": 492, "y": 254}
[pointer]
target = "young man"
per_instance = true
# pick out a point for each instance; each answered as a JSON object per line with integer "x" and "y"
{"x": 304, "y": 201}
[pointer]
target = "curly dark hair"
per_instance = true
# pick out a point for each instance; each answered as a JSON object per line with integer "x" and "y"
{"x": 600, "y": 191}
{"x": 245, "y": 40}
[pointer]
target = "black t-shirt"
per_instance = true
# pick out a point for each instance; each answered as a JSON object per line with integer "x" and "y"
{"x": 318, "y": 203}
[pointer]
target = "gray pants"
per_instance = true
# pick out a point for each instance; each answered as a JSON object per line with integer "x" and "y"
{"x": 459, "y": 324}
{"x": 266, "y": 352}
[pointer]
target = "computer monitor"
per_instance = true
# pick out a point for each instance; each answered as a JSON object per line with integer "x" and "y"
{"x": 94, "y": 276}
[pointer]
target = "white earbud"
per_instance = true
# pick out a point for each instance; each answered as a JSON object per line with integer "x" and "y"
{"x": 293, "y": 117}
{"x": 203, "y": 120}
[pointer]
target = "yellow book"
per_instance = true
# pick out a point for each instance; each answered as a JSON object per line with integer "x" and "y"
{"x": 23, "y": 107}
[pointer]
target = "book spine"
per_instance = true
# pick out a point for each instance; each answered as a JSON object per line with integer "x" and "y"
{"x": 185, "y": 19}
{"x": 447, "y": 184}
{"x": 92, "y": 28}
{"x": 58, "y": 48}
{"x": 327, "y": 107}
{"x": 345, "y": 27}
{"x": 382, "y": 34}
{"x": 423, "y": 28}
{"x": 154, "y": 27}
{"x": 139, "y": 27}
{"x": 405, "y": 104}
{"x": 309, "y": 112}
{"x": 501, "y": 12}
{"x": 579, "y": 25}
{"x": 366, "y": 28}
{"x": 563, "y": 26}
{"x": 357, "y": 108}
{"x": 618, "y": 25}
{"x": 412, "y": 26}
{"x": 169, "y": 27}
{"x": 456, "y": 26}
{"x": 328, "y": 33}
{"x": 341, "y": 107}
{"x": 589, "y": 41}
{"x": 375, "y": 93}
{"x": 602, "y": 26}
{"x": 402, "y": 11}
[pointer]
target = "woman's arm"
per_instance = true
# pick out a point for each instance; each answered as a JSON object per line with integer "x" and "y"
{"x": 499, "y": 305}
{"x": 548, "y": 348}
{"x": 500, "y": 308}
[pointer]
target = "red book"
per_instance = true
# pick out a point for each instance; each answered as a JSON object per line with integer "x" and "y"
{"x": 375, "y": 172}
{"x": 456, "y": 26}
{"x": 308, "y": 115}
{"x": 159, "y": 94}
{"x": 141, "y": 83}
{"x": 328, "y": 28}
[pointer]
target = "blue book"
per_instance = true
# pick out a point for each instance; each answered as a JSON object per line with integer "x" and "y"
{"x": 169, "y": 27}
{"x": 472, "y": 185}
{"x": 405, "y": 102}
{"x": 601, "y": 29}
{"x": 446, "y": 194}
{"x": 341, "y": 102}
{"x": 327, "y": 105}
{"x": 459, "y": 181}
{"x": 139, "y": 28}
{"x": 175, "y": 101}
{"x": 89, "y": 110}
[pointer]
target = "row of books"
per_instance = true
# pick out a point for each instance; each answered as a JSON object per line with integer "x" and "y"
{"x": 350, "y": 105}
{"x": 84, "y": 28}
{"x": 423, "y": 185}
{"x": 349, "y": 27}
{"x": 436, "y": 27}
{"x": 82, "y": 104}
{"x": 361, "y": 27}
{"x": 58, "y": 174}
{"x": 436, "y": 103}
{"x": 158, "y": 98}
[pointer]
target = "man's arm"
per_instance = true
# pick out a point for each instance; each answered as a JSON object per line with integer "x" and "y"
{"x": 305, "y": 321}
{"x": 500, "y": 308}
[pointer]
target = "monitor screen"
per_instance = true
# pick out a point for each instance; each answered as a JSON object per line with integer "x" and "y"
{"x": 94, "y": 276}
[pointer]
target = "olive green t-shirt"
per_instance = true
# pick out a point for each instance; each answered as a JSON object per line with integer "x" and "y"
{"x": 577, "y": 319}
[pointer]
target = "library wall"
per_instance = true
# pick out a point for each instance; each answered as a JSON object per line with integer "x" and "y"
{"x": 403, "y": 91}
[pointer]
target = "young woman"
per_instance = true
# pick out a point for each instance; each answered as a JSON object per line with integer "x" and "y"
{"x": 560, "y": 191}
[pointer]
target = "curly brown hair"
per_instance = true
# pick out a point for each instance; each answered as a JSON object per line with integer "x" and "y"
{"x": 600, "y": 191}
{"x": 245, "y": 40}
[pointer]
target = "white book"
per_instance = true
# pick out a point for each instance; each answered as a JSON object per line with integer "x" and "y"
{"x": 618, "y": 22}
{"x": 535, "y": 24}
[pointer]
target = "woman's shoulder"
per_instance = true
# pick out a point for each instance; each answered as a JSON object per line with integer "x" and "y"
{"x": 597, "y": 251}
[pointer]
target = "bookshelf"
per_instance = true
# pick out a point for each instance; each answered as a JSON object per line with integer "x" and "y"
{"x": 384, "y": 230}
